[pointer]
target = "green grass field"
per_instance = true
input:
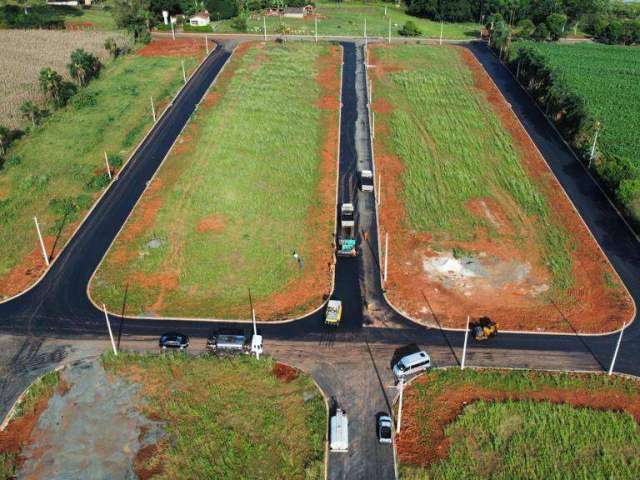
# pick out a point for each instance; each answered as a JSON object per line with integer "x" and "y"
{"x": 347, "y": 18}
{"x": 229, "y": 419}
{"x": 237, "y": 196}
{"x": 523, "y": 438}
{"x": 454, "y": 150}
{"x": 56, "y": 171}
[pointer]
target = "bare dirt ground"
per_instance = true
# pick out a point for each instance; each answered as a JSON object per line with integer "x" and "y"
{"x": 62, "y": 440}
{"x": 506, "y": 281}
{"x": 180, "y": 47}
{"x": 422, "y": 440}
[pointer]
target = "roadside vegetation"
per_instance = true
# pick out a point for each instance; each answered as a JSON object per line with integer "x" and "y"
{"x": 472, "y": 208}
{"x": 587, "y": 88}
{"x": 227, "y": 418}
{"x": 55, "y": 17}
{"x": 251, "y": 180}
{"x": 507, "y": 424}
{"x": 58, "y": 168}
{"x": 17, "y": 433}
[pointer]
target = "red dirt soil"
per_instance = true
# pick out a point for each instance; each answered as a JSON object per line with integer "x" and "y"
{"x": 26, "y": 273}
{"x": 78, "y": 25}
{"x": 180, "y": 47}
{"x": 284, "y": 372}
{"x": 210, "y": 224}
{"x": 592, "y": 306}
{"x": 423, "y": 442}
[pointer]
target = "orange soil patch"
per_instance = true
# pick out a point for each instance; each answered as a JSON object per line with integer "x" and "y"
{"x": 28, "y": 270}
{"x": 165, "y": 282}
{"x": 422, "y": 440}
{"x": 17, "y": 434}
{"x": 146, "y": 463}
{"x": 284, "y": 372}
{"x": 314, "y": 285}
{"x": 210, "y": 224}
{"x": 180, "y": 47}
{"x": 78, "y": 25}
{"x": 146, "y": 211}
{"x": 593, "y": 307}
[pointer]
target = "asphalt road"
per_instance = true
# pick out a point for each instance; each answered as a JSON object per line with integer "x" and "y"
{"x": 352, "y": 363}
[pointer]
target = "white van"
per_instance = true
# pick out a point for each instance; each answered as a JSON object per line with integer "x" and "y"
{"x": 414, "y": 363}
{"x": 339, "y": 432}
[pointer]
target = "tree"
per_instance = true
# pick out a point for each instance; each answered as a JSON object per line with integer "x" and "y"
{"x": 541, "y": 33}
{"x": 556, "y": 23}
{"x": 222, "y": 9}
{"x": 410, "y": 29}
{"x": 614, "y": 32}
{"x": 5, "y": 139}
{"x": 525, "y": 28}
{"x": 134, "y": 16}
{"x": 83, "y": 66}
{"x": 239, "y": 23}
{"x": 51, "y": 84}
{"x": 30, "y": 111}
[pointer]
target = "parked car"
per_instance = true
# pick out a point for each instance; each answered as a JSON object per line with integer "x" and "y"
{"x": 384, "y": 429}
{"x": 174, "y": 340}
{"x": 333, "y": 313}
{"x": 366, "y": 181}
{"x": 229, "y": 341}
{"x": 410, "y": 364}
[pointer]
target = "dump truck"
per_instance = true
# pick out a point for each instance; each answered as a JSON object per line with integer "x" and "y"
{"x": 483, "y": 328}
{"x": 347, "y": 233}
{"x": 333, "y": 314}
{"x": 339, "y": 432}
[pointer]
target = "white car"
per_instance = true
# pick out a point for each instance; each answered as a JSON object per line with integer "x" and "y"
{"x": 384, "y": 429}
{"x": 414, "y": 363}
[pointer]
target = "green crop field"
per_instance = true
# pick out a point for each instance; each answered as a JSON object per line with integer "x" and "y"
{"x": 347, "y": 18}
{"x": 237, "y": 195}
{"x": 56, "y": 171}
{"x": 454, "y": 149}
{"x": 229, "y": 419}
{"x": 523, "y": 435}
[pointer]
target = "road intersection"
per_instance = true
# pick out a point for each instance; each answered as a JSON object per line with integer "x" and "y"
{"x": 352, "y": 364}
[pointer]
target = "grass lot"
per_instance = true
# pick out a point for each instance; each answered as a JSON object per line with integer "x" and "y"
{"x": 347, "y": 18}
{"x": 16, "y": 433}
{"x": 56, "y": 171}
{"x": 236, "y": 196}
{"x": 586, "y": 429}
{"x": 455, "y": 150}
{"x": 229, "y": 419}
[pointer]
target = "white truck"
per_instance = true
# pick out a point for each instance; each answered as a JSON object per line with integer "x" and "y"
{"x": 347, "y": 233}
{"x": 366, "y": 180}
{"x": 339, "y": 432}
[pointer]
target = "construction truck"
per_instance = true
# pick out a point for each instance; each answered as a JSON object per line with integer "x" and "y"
{"x": 483, "y": 328}
{"x": 333, "y": 314}
{"x": 347, "y": 233}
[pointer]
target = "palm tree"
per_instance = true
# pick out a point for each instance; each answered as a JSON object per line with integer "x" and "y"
{"x": 51, "y": 84}
{"x": 30, "y": 111}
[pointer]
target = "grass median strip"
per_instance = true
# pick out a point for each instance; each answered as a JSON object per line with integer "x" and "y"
{"x": 508, "y": 424}
{"x": 228, "y": 418}
{"x": 57, "y": 171}
{"x": 250, "y": 181}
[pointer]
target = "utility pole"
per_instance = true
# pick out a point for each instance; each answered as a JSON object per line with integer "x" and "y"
{"x": 365, "y": 31}
{"x": 153, "y": 110}
{"x": 373, "y": 124}
{"x": 464, "y": 348}
{"x": 399, "y": 420}
{"x": 441, "y": 30}
{"x": 593, "y": 147}
{"x": 173, "y": 32}
{"x": 184, "y": 73}
{"x": 206, "y": 43}
{"x": 44, "y": 250}
{"x": 106, "y": 160}
{"x": 316, "y": 27}
{"x": 518, "y": 70}
{"x": 389, "y": 38}
{"x": 386, "y": 255}
{"x": 106, "y": 317}
{"x": 256, "y": 340}
{"x": 615, "y": 353}
{"x": 379, "y": 188}
{"x": 264, "y": 27}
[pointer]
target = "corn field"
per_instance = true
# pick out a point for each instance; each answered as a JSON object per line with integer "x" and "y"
{"x": 26, "y": 52}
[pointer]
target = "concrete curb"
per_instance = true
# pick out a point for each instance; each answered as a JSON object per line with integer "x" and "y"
{"x": 12, "y": 411}
{"x": 111, "y": 183}
{"x": 167, "y": 155}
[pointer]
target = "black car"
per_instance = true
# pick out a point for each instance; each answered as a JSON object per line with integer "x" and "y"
{"x": 174, "y": 340}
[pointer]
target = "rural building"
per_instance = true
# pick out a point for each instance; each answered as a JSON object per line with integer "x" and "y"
{"x": 294, "y": 12}
{"x": 200, "y": 19}
{"x": 66, "y": 3}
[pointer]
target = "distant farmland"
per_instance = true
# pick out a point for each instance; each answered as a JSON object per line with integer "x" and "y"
{"x": 26, "y": 52}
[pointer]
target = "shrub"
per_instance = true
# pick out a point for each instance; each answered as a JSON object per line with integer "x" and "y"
{"x": 239, "y": 23}
{"x": 84, "y": 66}
{"x": 541, "y": 33}
{"x": 410, "y": 29}
{"x": 525, "y": 28}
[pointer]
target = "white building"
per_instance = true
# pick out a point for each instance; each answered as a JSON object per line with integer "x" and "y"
{"x": 200, "y": 19}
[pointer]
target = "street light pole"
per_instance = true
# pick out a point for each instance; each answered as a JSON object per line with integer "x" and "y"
{"x": 593, "y": 147}
{"x": 389, "y": 38}
{"x": 106, "y": 317}
{"x": 106, "y": 160}
{"x": 365, "y": 31}
{"x": 44, "y": 250}
{"x": 386, "y": 255}
{"x": 264, "y": 27}
{"x": 615, "y": 353}
{"x": 153, "y": 110}
{"x": 316, "y": 27}
{"x": 399, "y": 420}
{"x": 184, "y": 73}
{"x": 441, "y": 30}
{"x": 464, "y": 348}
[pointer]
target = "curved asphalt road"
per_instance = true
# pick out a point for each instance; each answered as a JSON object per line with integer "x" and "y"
{"x": 58, "y": 306}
